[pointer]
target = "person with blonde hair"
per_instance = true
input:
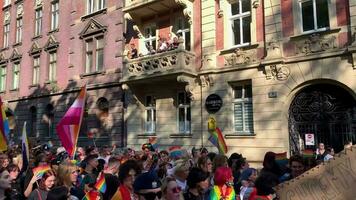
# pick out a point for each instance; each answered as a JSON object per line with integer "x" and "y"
{"x": 170, "y": 189}
{"x": 68, "y": 176}
{"x": 181, "y": 171}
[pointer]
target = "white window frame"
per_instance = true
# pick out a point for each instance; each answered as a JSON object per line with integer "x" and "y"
{"x": 242, "y": 101}
{"x": 15, "y": 75}
{"x": 99, "y": 47}
{"x": 184, "y": 30}
{"x": 38, "y": 21}
{"x": 152, "y": 109}
{"x": 52, "y": 68}
{"x": 95, "y": 5}
{"x": 316, "y": 29}
{"x": 6, "y": 3}
{"x": 94, "y": 51}
{"x": 185, "y": 106}
{"x": 149, "y": 39}
{"x": 19, "y": 25}
{"x": 6, "y": 34}
{"x": 3, "y": 78}
{"x": 240, "y": 17}
{"x": 36, "y": 70}
{"x": 54, "y": 15}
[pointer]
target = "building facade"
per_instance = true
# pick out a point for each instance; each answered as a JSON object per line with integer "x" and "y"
{"x": 49, "y": 49}
{"x": 283, "y": 69}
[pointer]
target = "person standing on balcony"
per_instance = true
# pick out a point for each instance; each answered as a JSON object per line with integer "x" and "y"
{"x": 133, "y": 51}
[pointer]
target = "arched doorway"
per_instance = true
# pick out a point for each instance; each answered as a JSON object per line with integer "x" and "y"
{"x": 325, "y": 110}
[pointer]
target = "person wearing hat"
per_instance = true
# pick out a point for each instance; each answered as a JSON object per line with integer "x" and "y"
{"x": 148, "y": 186}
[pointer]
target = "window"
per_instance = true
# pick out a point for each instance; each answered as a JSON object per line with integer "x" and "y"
{"x": 95, "y": 5}
{"x": 33, "y": 127}
{"x": 149, "y": 38}
{"x": 150, "y": 122}
{"x": 2, "y": 78}
{"x": 315, "y": 15}
{"x": 184, "y": 115}
{"x": 243, "y": 112}
{"x": 241, "y": 22}
{"x": 19, "y": 24}
{"x": 16, "y": 76}
{"x": 52, "y": 71}
{"x": 6, "y": 34}
{"x": 94, "y": 64}
{"x": 54, "y": 15}
{"x": 38, "y": 21}
{"x": 36, "y": 71}
{"x": 184, "y": 32}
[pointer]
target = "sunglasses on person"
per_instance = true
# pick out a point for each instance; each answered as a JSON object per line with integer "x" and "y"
{"x": 152, "y": 195}
{"x": 176, "y": 190}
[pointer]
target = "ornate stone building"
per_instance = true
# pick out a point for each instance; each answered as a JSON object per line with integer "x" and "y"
{"x": 49, "y": 49}
{"x": 282, "y": 69}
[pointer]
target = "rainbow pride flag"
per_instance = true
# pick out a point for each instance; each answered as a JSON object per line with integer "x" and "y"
{"x": 217, "y": 139}
{"x": 4, "y": 128}
{"x": 175, "y": 152}
{"x": 41, "y": 170}
{"x": 308, "y": 153}
{"x": 281, "y": 159}
{"x": 216, "y": 194}
{"x": 91, "y": 195}
{"x": 101, "y": 184}
{"x": 25, "y": 148}
{"x": 69, "y": 126}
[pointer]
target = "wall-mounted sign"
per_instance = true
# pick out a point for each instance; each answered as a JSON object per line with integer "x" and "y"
{"x": 272, "y": 94}
{"x": 213, "y": 103}
{"x": 309, "y": 139}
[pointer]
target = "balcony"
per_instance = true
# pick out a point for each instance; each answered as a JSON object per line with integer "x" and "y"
{"x": 161, "y": 66}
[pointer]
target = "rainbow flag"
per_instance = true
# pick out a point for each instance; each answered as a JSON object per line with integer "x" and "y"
{"x": 281, "y": 159}
{"x": 101, "y": 184}
{"x": 153, "y": 142}
{"x": 308, "y": 153}
{"x": 3, "y": 128}
{"x": 217, "y": 139}
{"x": 41, "y": 170}
{"x": 69, "y": 126}
{"x": 216, "y": 194}
{"x": 175, "y": 152}
{"x": 25, "y": 149}
{"x": 91, "y": 195}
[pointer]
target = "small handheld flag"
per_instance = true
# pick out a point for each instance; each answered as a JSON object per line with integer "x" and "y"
{"x": 217, "y": 140}
{"x": 281, "y": 159}
{"x": 40, "y": 171}
{"x": 91, "y": 195}
{"x": 25, "y": 149}
{"x": 101, "y": 184}
{"x": 308, "y": 153}
{"x": 153, "y": 142}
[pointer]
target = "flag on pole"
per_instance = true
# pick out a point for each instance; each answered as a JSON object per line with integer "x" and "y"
{"x": 25, "y": 148}
{"x": 3, "y": 128}
{"x": 217, "y": 140}
{"x": 101, "y": 184}
{"x": 69, "y": 126}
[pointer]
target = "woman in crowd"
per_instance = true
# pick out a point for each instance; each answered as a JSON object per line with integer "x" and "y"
{"x": 127, "y": 174}
{"x": 16, "y": 191}
{"x": 5, "y": 183}
{"x": 271, "y": 166}
{"x": 181, "y": 171}
{"x": 170, "y": 189}
{"x": 198, "y": 184}
{"x": 4, "y": 160}
{"x": 68, "y": 176}
{"x": 247, "y": 183}
{"x": 45, "y": 184}
{"x": 223, "y": 185}
{"x": 40, "y": 160}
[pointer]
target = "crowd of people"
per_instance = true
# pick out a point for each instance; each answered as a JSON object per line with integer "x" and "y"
{"x": 147, "y": 174}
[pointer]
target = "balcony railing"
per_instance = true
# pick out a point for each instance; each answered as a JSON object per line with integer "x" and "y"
{"x": 178, "y": 61}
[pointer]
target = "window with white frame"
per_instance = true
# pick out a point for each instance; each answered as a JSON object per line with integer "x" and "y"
{"x": 36, "y": 71}
{"x": 2, "y": 78}
{"x": 52, "y": 71}
{"x": 315, "y": 15}
{"x": 150, "y": 122}
{"x": 54, "y": 15}
{"x": 38, "y": 21}
{"x": 6, "y": 34}
{"x": 19, "y": 24}
{"x": 149, "y": 38}
{"x": 16, "y": 76}
{"x": 95, "y": 5}
{"x": 240, "y": 19}
{"x": 243, "y": 111}
{"x": 94, "y": 56}
{"x": 184, "y": 115}
{"x": 183, "y": 30}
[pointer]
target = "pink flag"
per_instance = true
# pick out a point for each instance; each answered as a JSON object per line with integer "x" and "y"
{"x": 69, "y": 126}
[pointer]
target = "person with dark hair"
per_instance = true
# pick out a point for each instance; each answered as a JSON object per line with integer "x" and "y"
{"x": 5, "y": 183}
{"x": 111, "y": 178}
{"x": 127, "y": 174}
{"x": 148, "y": 186}
{"x": 219, "y": 161}
{"x": 89, "y": 174}
{"x": 29, "y": 186}
{"x": 198, "y": 183}
{"x": 58, "y": 193}
{"x": 45, "y": 184}
{"x": 296, "y": 165}
{"x": 264, "y": 186}
{"x": 16, "y": 189}
{"x": 270, "y": 165}
{"x": 247, "y": 183}
{"x": 205, "y": 164}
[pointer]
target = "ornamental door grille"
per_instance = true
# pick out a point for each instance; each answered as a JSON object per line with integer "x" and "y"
{"x": 328, "y": 112}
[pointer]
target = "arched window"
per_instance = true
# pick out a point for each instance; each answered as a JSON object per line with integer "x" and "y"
{"x": 102, "y": 114}
{"x": 32, "y": 125}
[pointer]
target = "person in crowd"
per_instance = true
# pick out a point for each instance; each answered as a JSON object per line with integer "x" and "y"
{"x": 4, "y": 160}
{"x": 297, "y": 167}
{"x": 247, "y": 183}
{"x": 223, "y": 185}
{"x": 239, "y": 165}
{"x": 68, "y": 176}
{"x": 111, "y": 178}
{"x": 162, "y": 45}
{"x": 205, "y": 164}
{"x": 45, "y": 184}
{"x": 198, "y": 184}
{"x": 148, "y": 186}
{"x": 329, "y": 154}
{"x": 60, "y": 193}
{"x": 5, "y": 184}
{"x": 264, "y": 185}
{"x": 270, "y": 165}
{"x": 133, "y": 51}
{"x": 89, "y": 174}
{"x": 30, "y": 180}
{"x": 348, "y": 145}
{"x": 16, "y": 188}
{"x": 80, "y": 155}
{"x": 195, "y": 156}
{"x": 127, "y": 174}
{"x": 219, "y": 161}
{"x": 320, "y": 153}
{"x": 181, "y": 171}
{"x": 170, "y": 189}
{"x": 175, "y": 43}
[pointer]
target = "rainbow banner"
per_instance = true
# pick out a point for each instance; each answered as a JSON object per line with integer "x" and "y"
{"x": 40, "y": 171}
{"x": 217, "y": 139}
{"x": 175, "y": 152}
{"x": 91, "y": 195}
{"x": 3, "y": 128}
{"x": 281, "y": 159}
{"x": 69, "y": 126}
{"x": 308, "y": 153}
{"x": 101, "y": 184}
{"x": 25, "y": 148}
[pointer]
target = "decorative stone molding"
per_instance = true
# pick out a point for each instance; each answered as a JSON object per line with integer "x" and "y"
{"x": 240, "y": 57}
{"x": 190, "y": 84}
{"x": 19, "y": 10}
{"x": 92, "y": 27}
{"x": 15, "y": 55}
{"x": 2, "y": 58}
{"x": 273, "y": 49}
{"x": 188, "y": 8}
{"x": 35, "y": 49}
{"x": 315, "y": 43}
{"x": 39, "y": 3}
{"x": 206, "y": 80}
{"x": 51, "y": 44}
{"x": 277, "y": 72}
{"x": 7, "y": 17}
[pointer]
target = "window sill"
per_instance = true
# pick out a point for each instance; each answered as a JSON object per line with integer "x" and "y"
{"x": 2, "y": 92}
{"x": 53, "y": 31}
{"x": 36, "y": 37}
{"x": 182, "y": 135}
{"x": 6, "y": 6}
{"x": 18, "y": 1}
{"x": 321, "y": 32}
{"x": 14, "y": 90}
{"x": 144, "y": 136}
{"x": 33, "y": 85}
{"x": 17, "y": 44}
{"x": 4, "y": 49}
{"x": 50, "y": 82}
{"x": 239, "y": 135}
{"x": 233, "y": 49}
{"x": 102, "y": 11}
{"x": 92, "y": 74}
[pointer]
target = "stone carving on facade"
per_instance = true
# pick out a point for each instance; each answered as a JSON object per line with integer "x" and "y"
{"x": 35, "y": 49}
{"x": 190, "y": 84}
{"x": 2, "y": 58}
{"x": 277, "y": 72}
{"x": 206, "y": 80}
{"x": 273, "y": 49}
{"x": 255, "y": 4}
{"x": 19, "y": 10}
{"x": 39, "y": 3}
{"x": 7, "y": 17}
{"x": 241, "y": 57}
{"x": 316, "y": 43}
{"x": 188, "y": 8}
{"x": 93, "y": 26}
{"x": 15, "y": 55}
{"x": 51, "y": 43}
